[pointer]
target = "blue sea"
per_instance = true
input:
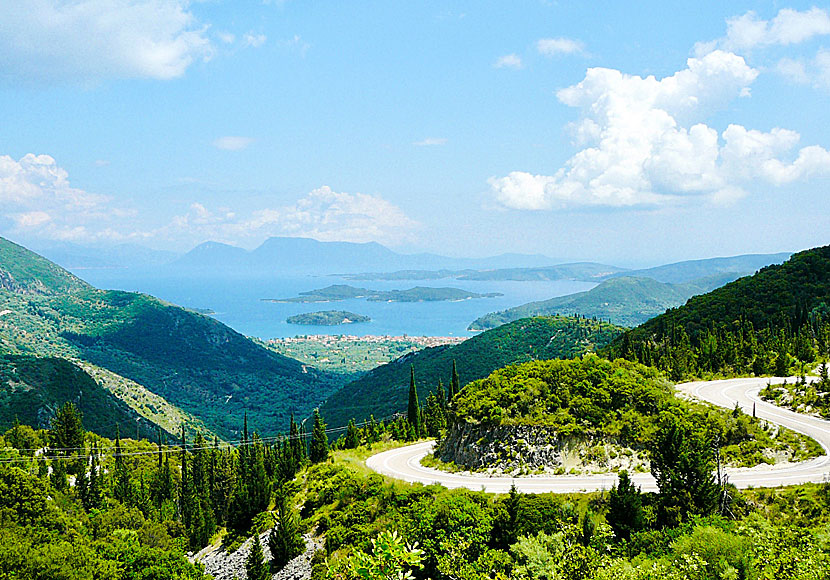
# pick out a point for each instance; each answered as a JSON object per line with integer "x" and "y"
{"x": 238, "y": 302}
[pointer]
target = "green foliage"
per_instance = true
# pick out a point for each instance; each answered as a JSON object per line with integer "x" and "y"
{"x": 391, "y": 559}
{"x": 255, "y": 567}
{"x": 760, "y": 324}
{"x": 285, "y": 540}
{"x": 625, "y": 508}
{"x": 383, "y": 391}
{"x": 319, "y": 448}
{"x": 627, "y": 301}
{"x": 327, "y": 318}
{"x": 682, "y": 462}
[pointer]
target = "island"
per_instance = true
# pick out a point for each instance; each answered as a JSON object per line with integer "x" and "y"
{"x": 327, "y": 318}
{"x": 337, "y": 292}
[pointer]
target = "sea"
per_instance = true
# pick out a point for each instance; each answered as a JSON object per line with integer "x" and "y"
{"x": 239, "y": 302}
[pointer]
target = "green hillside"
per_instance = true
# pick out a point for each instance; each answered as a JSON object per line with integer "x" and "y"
{"x": 626, "y": 301}
{"x": 32, "y": 388}
{"x": 25, "y": 272}
{"x": 384, "y": 390}
{"x": 193, "y": 361}
{"x": 762, "y": 323}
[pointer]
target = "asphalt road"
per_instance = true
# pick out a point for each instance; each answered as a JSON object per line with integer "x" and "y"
{"x": 404, "y": 463}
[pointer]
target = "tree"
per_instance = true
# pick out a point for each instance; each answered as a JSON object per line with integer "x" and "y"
{"x": 391, "y": 559}
{"x": 455, "y": 386}
{"x": 352, "y": 439}
{"x": 66, "y": 435}
{"x": 319, "y": 450}
{"x": 122, "y": 488}
{"x": 285, "y": 540}
{"x": 682, "y": 462}
{"x": 625, "y": 508}
{"x": 413, "y": 412}
{"x": 255, "y": 568}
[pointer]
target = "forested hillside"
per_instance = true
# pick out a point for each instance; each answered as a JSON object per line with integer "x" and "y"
{"x": 192, "y": 360}
{"x": 773, "y": 322}
{"x": 626, "y": 301}
{"x": 33, "y": 388}
{"x": 383, "y": 391}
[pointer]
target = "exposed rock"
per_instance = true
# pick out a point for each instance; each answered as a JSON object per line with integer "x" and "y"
{"x": 224, "y": 565}
{"x": 519, "y": 449}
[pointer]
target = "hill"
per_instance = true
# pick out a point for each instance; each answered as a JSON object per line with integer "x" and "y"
{"x": 193, "y": 361}
{"x": 575, "y": 271}
{"x": 754, "y": 324}
{"x": 690, "y": 270}
{"x": 384, "y": 390}
{"x": 627, "y": 301}
{"x": 32, "y": 388}
{"x": 24, "y": 272}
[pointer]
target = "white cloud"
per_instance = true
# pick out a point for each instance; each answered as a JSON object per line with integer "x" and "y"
{"x": 254, "y": 40}
{"x": 748, "y": 31}
{"x": 430, "y": 141}
{"x": 814, "y": 72}
{"x": 36, "y": 196}
{"x": 226, "y": 37}
{"x": 509, "y": 61}
{"x": 323, "y": 214}
{"x": 644, "y": 143}
{"x": 88, "y": 40}
{"x": 232, "y": 143}
{"x": 559, "y": 46}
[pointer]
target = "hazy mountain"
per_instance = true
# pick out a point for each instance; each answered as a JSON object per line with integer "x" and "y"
{"x": 79, "y": 257}
{"x": 306, "y": 255}
{"x": 689, "y": 270}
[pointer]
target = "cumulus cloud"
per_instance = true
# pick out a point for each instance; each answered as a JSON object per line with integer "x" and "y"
{"x": 508, "y": 61}
{"x": 748, "y": 31}
{"x": 232, "y": 143}
{"x": 814, "y": 72}
{"x": 559, "y": 46}
{"x": 323, "y": 214}
{"x": 644, "y": 143}
{"x": 89, "y": 40}
{"x": 35, "y": 195}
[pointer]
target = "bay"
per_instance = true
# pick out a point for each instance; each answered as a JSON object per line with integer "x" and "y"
{"x": 238, "y": 302}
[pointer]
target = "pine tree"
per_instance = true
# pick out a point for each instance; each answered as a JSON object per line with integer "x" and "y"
{"x": 255, "y": 567}
{"x": 297, "y": 444}
{"x": 94, "y": 491}
{"x": 319, "y": 450}
{"x": 285, "y": 540}
{"x": 625, "y": 508}
{"x": 413, "y": 412}
{"x": 259, "y": 484}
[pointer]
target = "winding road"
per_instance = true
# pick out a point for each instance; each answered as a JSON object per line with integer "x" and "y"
{"x": 404, "y": 463}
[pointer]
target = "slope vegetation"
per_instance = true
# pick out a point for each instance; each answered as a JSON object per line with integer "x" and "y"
{"x": 384, "y": 390}
{"x": 193, "y": 361}
{"x": 627, "y": 301}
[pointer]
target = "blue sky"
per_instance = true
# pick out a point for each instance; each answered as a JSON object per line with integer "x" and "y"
{"x": 631, "y": 133}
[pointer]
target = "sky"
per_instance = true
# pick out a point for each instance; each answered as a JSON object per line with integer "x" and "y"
{"x": 633, "y": 133}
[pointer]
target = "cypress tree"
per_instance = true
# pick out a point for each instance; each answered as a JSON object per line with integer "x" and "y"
{"x": 413, "y": 412}
{"x": 255, "y": 568}
{"x": 352, "y": 439}
{"x": 455, "y": 387}
{"x": 122, "y": 486}
{"x": 93, "y": 492}
{"x": 259, "y": 485}
{"x": 319, "y": 450}
{"x": 285, "y": 540}
{"x": 625, "y": 508}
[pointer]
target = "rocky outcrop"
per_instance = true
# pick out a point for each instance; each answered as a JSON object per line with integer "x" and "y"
{"x": 517, "y": 449}
{"x": 224, "y": 565}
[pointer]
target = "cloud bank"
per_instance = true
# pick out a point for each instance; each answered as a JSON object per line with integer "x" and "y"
{"x": 90, "y": 40}
{"x": 644, "y": 143}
